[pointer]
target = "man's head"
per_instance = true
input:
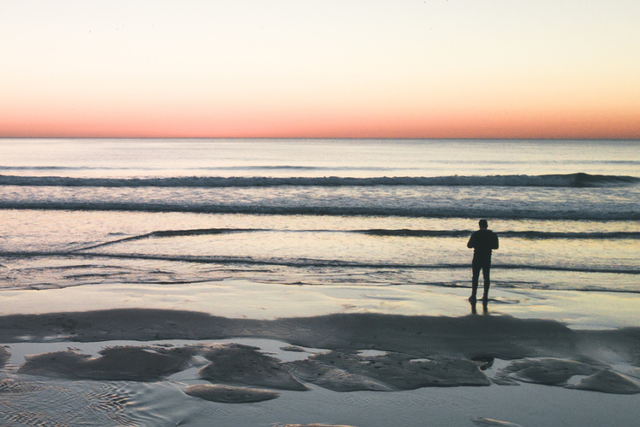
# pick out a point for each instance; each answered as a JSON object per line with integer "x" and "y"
{"x": 483, "y": 224}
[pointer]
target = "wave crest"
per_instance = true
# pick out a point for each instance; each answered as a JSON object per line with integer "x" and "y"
{"x": 557, "y": 180}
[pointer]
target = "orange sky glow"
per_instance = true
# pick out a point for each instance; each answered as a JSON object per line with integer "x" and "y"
{"x": 437, "y": 69}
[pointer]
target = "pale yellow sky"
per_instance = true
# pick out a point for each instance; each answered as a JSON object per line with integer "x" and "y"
{"x": 320, "y": 68}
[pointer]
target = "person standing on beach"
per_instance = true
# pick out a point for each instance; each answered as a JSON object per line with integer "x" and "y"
{"x": 483, "y": 242}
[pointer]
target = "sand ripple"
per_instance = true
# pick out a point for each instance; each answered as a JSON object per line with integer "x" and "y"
{"x": 36, "y": 403}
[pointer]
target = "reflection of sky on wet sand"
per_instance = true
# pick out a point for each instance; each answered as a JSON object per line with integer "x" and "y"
{"x": 246, "y": 299}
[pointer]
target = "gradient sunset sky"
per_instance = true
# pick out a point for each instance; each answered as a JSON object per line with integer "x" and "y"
{"x": 320, "y": 68}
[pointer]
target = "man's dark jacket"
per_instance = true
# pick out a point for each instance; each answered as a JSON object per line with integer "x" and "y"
{"x": 483, "y": 242}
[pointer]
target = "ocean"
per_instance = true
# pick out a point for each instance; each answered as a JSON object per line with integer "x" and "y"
{"x": 318, "y": 212}
{"x": 152, "y": 282}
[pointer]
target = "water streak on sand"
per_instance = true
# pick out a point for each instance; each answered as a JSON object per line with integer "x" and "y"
{"x": 376, "y": 232}
{"x": 488, "y": 422}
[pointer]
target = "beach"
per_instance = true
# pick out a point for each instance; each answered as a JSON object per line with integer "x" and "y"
{"x": 529, "y": 360}
{"x": 254, "y": 283}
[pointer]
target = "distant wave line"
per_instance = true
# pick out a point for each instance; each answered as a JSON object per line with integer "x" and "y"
{"x": 306, "y": 262}
{"x": 534, "y": 235}
{"x": 578, "y": 180}
{"x": 200, "y": 168}
{"x": 421, "y": 212}
{"x": 172, "y": 233}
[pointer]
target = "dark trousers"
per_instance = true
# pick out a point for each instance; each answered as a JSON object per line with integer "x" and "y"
{"x": 483, "y": 264}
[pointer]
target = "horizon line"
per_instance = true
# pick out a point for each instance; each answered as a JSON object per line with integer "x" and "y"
{"x": 324, "y": 138}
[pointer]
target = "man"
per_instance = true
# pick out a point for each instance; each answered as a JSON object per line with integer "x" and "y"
{"x": 483, "y": 242}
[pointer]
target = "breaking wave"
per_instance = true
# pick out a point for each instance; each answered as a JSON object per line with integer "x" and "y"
{"x": 542, "y": 213}
{"x": 306, "y": 262}
{"x": 515, "y": 234}
{"x": 577, "y": 180}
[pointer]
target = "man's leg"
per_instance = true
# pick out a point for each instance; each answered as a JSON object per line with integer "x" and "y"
{"x": 486, "y": 268}
{"x": 475, "y": 267}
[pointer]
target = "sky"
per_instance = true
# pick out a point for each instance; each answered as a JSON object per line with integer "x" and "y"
{"x": 320, "y": 68}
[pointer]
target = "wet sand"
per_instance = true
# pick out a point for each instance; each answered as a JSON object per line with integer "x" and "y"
{"x": 247, "y": 354}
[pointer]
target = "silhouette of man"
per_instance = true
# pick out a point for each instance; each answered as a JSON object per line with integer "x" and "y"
{"x": 483, "y": 242}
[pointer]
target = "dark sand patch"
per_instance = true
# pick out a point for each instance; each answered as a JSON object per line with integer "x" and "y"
{"x": 557, "y": 372}
{"x": 547, "y": 371}
{"x": 116, "y": 363}
{"x": 608, "y": 382}
{"x": 497, "y": 336}
{"x": 293, "y": 348}
{"x": 236, "y": 363}
{"x": 334, "y": 378}
{"x": 228, "y": 394}
{"x": 423, "y": 351}
{"x": 425, "y": 336}
{"x": 348, "y": 371}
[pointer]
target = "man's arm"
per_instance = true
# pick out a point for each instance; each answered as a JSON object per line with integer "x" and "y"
{"x": 471, "y": 242}
{"x": 496, "y": 243}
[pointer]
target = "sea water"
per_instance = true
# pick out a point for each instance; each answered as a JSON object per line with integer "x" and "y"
{"x": 318, "y": 212}
{"x": 326, "y": 214}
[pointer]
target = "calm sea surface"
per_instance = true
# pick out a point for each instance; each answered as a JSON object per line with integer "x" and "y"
{"x": 318, "y": 212}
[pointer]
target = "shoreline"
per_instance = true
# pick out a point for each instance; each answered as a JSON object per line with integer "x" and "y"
{"x": 245, "y": 299}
